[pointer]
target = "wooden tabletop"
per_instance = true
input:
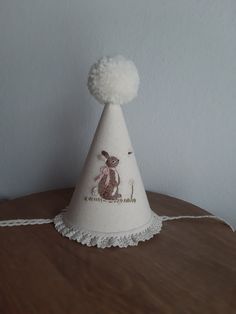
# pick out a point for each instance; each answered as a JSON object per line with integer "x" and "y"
{"x": 190, "y": 267}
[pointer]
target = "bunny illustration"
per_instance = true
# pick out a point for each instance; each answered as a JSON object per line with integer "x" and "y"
{"x": 109, "y": 179}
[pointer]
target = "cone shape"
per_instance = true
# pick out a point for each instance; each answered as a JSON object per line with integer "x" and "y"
{"x": 109, "y": 206}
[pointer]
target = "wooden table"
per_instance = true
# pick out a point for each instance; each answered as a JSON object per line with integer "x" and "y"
{"x": 190, "y": 267}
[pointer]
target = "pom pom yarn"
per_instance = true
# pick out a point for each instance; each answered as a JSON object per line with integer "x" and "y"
{"x": 113, "y": 80}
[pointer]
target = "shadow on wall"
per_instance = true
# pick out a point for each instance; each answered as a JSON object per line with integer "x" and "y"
{"x": 70, "y": 148}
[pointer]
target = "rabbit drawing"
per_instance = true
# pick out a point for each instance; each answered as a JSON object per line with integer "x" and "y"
{"x": 109, "y": 179}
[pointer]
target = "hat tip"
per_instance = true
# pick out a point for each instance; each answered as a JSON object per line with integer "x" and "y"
{"x": 113, "y": 80}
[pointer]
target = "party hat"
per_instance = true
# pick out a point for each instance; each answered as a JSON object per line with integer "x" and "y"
{"x": 109, "y": 206}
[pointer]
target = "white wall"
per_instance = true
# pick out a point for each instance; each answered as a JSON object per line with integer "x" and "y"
{"x": 183, "y": 124}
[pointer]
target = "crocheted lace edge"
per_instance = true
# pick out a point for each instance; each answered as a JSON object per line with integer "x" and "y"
{"x": 106, "y": 240}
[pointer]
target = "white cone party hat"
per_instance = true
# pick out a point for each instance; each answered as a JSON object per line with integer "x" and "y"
{"x": 109, "y": 206}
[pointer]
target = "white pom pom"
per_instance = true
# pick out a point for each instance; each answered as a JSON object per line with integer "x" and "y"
{"x": 113, "y": 80}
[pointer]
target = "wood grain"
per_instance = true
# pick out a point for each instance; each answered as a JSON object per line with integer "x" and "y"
{"x": 190, "y": 267}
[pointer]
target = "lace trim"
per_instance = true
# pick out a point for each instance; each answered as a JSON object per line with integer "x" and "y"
{"x": 105, "y": 240}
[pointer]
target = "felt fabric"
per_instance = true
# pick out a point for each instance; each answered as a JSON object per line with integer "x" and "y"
{"x": 110, "y": 195}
